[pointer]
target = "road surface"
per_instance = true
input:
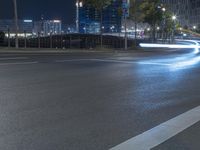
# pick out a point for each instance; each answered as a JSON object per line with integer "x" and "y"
{"x": 98, "y": 101}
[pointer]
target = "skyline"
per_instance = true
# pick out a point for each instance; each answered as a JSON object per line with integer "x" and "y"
{"x": 34, "y": 9}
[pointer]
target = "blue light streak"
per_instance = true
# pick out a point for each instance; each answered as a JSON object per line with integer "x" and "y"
{"x": 181, "y": 62}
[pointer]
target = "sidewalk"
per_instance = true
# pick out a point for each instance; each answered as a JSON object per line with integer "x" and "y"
{"x": 97, "y": 50}
{"x": 48, "y": 50}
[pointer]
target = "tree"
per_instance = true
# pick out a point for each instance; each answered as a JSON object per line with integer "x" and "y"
{"x": 99, "y": 5}
{"x": 2, "y": 37}
{"x": 135, "y": 14}
{"x": 120, "y": 13}
{"x": 152, "y": 14}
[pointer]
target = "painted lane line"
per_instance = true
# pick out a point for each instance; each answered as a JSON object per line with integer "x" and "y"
{"x": 13, "y": 58}
{"x": 154, "y": 63}
{"x": 162, "y": 132}
{"x": 101, "y": 60}
{"x": 71, "y": 60}
{"x": 19, "y": 63}
{"x": 114, "y": 61}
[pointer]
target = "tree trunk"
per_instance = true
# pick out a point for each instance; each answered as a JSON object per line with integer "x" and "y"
{"x": 135, "y": 18}
{"x": 135, "y": 31}
{"x": 154, "y": 33}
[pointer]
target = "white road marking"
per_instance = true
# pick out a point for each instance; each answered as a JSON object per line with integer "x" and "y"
{"x": 114, "y": 61}
{"x": 102, "y": 60}
{"x": 154, "y": 63}
{"x": 71, "y": 60}
{"x": 19, "y": 63}
{"x": 13, "y": 58}
{"x": 162, "y": 132}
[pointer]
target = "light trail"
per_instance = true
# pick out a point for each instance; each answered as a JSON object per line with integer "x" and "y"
{"x": 194, "y": 46}
{"x": 181, "y": 62}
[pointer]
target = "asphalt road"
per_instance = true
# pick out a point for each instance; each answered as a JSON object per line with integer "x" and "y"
{"x": 95, "y": 101}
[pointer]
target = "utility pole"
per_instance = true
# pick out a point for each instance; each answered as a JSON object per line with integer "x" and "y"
{"x": 174, "y": 28}
{"x": 125, "y": 5}
{"x": 126, "y": 38}
{"x": 16, "y": 24}
{"x": 79, "y": 4}
{"x": 77, "y": 16}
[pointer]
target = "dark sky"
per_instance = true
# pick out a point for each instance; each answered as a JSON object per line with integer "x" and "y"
{"x": 32, "y": 9}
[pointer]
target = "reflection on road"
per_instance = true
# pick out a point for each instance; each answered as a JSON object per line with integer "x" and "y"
{"x": 180, "y": 62}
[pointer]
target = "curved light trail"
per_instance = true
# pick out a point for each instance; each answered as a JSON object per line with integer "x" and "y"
{"x": 182, "y": 61}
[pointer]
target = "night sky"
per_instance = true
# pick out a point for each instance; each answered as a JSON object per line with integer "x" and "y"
{"x": 33, "y": 9}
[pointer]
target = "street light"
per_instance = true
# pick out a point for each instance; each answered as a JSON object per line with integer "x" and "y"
{"x": 16, "y": 24}
{"x": 78, "y": 5}
{"x": 174, "y": 18}
{"x": 194, "y": 27}
{"x": 163, "y": 9}
{"x": 163, "y": 22}
{"x": 173, "y": 32}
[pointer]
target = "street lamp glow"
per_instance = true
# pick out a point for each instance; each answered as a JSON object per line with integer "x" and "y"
{"x": 194, "y": 27}
{"x": 79, "y": 4}
{"x": 148, "y": 29}
{"x": 158, "y": 28}
{"x": 174, "y": 17}
{"x": 163, "y": 9}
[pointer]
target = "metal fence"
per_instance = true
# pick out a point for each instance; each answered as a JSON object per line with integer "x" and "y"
{"x": 67, "y": 41}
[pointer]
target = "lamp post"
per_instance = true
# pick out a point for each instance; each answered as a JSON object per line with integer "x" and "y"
{"x": 174, "y": 27}
{"x": 163, "y": 23}
{"x": 78, "y": 5}
{"x": 16, "y": 24}
{"x": 126, "y": 4}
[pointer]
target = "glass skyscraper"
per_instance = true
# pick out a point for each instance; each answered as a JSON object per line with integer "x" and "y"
{"x": 90, "y": 18}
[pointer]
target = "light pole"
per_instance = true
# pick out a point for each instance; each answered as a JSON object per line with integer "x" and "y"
{"x": 163, "y": 23}
{"x": 174, "y": 27}
{"x": 126, "y": 36}
{"x": 16, "y": 24}
{"x": 78, "y": 5}
{"x": 126, "y": 4}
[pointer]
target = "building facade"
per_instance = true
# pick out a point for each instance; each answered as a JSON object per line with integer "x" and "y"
{"x": 195, "y": 12}
{"x": 90, "y": 18}
{"x": 47, "y": 27}
{"x": 31, "y": 28}
{"x": 24, "y": 26}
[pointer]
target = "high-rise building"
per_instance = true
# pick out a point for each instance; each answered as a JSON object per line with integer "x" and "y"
{"x": 90, "y": 18}
{"x": 47, "y": 27}
{"x": 24, "y": 26}
{"x": 195, "y": 12}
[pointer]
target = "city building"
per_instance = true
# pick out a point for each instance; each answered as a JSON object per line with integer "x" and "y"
{"x": 30, "y": 27}
{"x": 89, "y": 18}
{"x": 47, "y": 27}
{"x": 195, "y": 12}
{"x": 24, "y": 26}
